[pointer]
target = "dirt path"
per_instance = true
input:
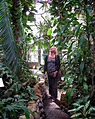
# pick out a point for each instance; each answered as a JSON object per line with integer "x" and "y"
{"x": 52, "y": 109}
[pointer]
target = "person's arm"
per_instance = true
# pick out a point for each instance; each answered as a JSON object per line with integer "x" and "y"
{"x": 57, "y": 63}
{"x": 45, "y": 65}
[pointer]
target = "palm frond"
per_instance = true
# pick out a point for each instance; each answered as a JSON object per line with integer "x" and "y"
{"x": 7, "y": 43}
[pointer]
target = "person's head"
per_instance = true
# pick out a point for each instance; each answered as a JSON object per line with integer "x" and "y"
{"x": 53, "y": 50}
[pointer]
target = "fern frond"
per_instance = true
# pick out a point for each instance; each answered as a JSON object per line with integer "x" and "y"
{"x": 7, "y": 39}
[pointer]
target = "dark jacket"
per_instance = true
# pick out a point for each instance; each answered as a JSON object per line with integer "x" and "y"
{"x": 57, "y": 63}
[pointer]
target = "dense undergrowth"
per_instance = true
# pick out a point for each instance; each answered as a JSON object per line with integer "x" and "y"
{"x": 16, "y": 93}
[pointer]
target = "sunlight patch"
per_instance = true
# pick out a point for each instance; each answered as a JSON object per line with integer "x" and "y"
{"x": 1, "y": 83}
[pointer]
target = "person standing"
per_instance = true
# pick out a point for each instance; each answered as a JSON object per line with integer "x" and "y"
{"x": 52, "y": 66}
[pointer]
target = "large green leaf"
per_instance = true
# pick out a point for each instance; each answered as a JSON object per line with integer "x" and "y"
{"x": 77, "y": 30}
{"x": 82, "y": 66}
{"x": 76, "y": 109}
{"x": 26, "y": 110}
{"x": 70, "y": 47}
{"x": 85, "y": 86}
{"x": 6, "y": 36}
{"x": 49, "y": 31}
{"x": 76, "y": 115}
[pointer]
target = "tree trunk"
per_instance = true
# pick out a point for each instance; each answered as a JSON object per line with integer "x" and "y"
{"x": 39, "y": 55}
{"x": 16, "y": 18}
{"x": 93, "y": 36}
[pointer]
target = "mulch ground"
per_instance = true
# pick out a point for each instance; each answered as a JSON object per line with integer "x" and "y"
{"x": 52, "y": 109}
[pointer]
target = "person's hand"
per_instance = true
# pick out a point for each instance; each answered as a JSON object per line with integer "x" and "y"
{"x": 55, "y": 73}
{"x": 43, "y": 74}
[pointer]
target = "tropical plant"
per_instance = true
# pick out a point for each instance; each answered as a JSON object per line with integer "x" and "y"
{"x": 14, "y": 95}
{"x": 43, "y": 38}
{"x": 82, "y": 109}
{"x": 21, "y": 12}
{"x": 8, "y": 46}
{"x": 10, "y": 109}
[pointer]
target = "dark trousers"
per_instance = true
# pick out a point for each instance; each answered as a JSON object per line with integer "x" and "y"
{"x": 52, "y": 81}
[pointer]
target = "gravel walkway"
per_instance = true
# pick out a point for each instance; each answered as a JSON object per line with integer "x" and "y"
{"x": 52, "y": 109}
